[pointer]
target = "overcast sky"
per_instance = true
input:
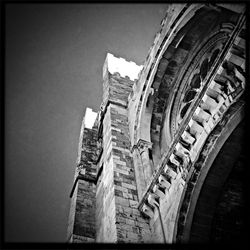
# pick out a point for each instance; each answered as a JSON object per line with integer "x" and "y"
{"x": 54, "y": 59}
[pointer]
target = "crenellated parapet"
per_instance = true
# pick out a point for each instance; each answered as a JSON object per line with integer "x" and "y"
{"x": 119, "y": 76}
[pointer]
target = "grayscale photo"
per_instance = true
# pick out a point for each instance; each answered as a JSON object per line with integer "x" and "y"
{"x": 125, "y": 123}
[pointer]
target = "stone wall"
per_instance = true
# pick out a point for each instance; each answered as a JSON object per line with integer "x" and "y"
{"x": 118, "y": 219}
{"x": 81, "y": 226}
{"x": 84, "y": 223}
{"x": 129, "y": 186}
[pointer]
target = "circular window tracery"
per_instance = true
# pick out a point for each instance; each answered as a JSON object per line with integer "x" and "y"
{"x": 204, "y": 69}
{"x": 195, "y": 80}
{"x": 184, "y": 110}
{"x": 213, "y": 57}
{"x": 189, "y": 96}
{"x": 182, "y": 75}
{"x": 195, "y": 83}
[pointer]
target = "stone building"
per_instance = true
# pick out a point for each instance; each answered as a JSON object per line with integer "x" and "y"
{"x": 162, "y": 161}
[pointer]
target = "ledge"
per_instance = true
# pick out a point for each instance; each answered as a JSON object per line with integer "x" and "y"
{"x": 81, "y": 177}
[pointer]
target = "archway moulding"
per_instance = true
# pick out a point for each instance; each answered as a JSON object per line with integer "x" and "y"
{"x": 177, "y": 16}
{"x": 212, "y": 104}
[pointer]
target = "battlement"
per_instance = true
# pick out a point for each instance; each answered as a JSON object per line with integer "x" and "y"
{"x": 124, "y": 68}
{"x": 89, "y": 118}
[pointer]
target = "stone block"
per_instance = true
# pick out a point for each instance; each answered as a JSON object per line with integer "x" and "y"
{"x": 133, "y": 204}
{"x": 164, "y": 182}
{"x": 181, "y": 151}
{"x": 122, "y": 201}
{"x": 159, "y": 192}
{"x": 187, "y": 137}
{"x": 173, "y": 159}
{"x": 148, "y": 211}
{"x": 195, "y": 128}
{"x": 129, "y": 186}
{"x": 235, "y": 59}
{"x": 170, "y": 172}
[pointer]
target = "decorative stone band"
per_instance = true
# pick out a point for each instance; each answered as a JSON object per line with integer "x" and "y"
{"x": 221, "y": 89}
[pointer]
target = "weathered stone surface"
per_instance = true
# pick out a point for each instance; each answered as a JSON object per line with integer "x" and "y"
{"x": 82, "y": 222}
{"x": 140, "y": 162}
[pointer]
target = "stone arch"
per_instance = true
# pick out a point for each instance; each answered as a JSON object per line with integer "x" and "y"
{"x": 197, "y": 211}
{"x": 157, "y": 65}
{"x": 176, "y": 92}
{"x": 170, "y": 72}
{"x": 220, "y": 91}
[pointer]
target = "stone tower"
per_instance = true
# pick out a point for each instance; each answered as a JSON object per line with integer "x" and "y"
{"x": 162, "y": 161}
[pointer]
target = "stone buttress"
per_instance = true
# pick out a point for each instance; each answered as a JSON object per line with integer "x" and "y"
{"x": 81, "y": 227}
{"x": 118, "y": 218}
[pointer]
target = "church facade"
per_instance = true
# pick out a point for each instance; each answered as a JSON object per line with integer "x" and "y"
{"x": 162, "y": 161}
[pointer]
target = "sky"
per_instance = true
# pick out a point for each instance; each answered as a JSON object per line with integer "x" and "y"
{"x": 53, "y": 72}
